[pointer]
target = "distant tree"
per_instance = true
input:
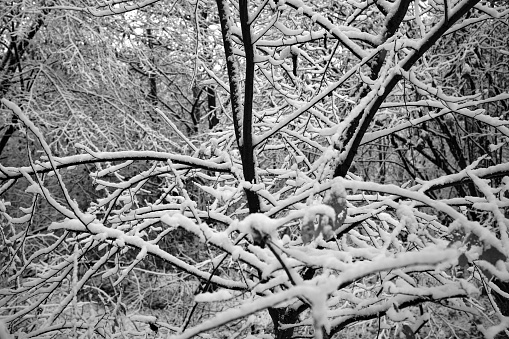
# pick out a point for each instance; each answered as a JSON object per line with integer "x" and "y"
{"x": 356, "y": 171}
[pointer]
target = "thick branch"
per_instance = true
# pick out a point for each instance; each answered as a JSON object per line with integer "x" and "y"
{"x": 233, "y": 74}
{"x": 248, "y": 163}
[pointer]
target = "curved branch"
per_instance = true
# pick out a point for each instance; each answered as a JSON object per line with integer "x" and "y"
{"x": 376, "y": 311}
{"x": 7, "y": 173}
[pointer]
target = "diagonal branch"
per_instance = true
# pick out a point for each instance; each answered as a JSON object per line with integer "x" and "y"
{"x": 367, "y": 114}
{"x": 233, "y": 72}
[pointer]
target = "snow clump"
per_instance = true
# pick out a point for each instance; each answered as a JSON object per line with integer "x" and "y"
{"x": 259, "y": 226}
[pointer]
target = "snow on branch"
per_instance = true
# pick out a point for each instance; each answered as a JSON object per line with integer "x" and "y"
{"x": 122, "y": 239}
{"x": 97, "y": 157}
{"x": 113, "y": 7}
{"x": 444, "y": 109}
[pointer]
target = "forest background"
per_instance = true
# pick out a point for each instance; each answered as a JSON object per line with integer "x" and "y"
{"x": 261, "y": 169}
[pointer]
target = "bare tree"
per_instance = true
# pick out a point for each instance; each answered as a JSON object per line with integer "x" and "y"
{"x": 289, "y": 214}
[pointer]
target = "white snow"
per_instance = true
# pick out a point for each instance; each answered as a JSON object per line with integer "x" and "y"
{"x": 220, "y": 295}
{"x": 149, "y": 319}
{"x": 256, "y": 224}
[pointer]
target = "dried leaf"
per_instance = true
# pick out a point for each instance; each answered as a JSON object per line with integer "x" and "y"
{"x": 307, "y": 232}
{"x": 408, "y": 332}
{"x": 335, "y": 198}
{"x": 491, "y": 255}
